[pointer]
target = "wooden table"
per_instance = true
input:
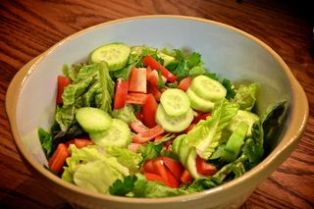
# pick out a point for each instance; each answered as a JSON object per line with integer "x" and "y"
{"x": 29, "y": 27}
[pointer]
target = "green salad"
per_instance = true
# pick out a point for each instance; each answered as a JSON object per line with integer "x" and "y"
{"x": 137, "y": 121}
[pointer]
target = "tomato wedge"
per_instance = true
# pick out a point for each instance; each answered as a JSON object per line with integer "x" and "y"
{"x": 154, "y": 65}
{"x": 205, "y": 168}
{"x": 136, "y": 98}
{"x": 186, "y": 177}
{"x": 138, "y": 126}
{"x": 137, "y": 80}
{"x": 149, "y": 166}
{"x": 149, "y": 111}
{"x": 120, "y": 96}
{"x": 148, "y": 135}
{"x": 174, "y": 166}
{"x": 153, "y": 177}
{"x": 185, "y": 83}
{"x": 153, "y": 78}
{"x": 63, "y": 82}
{"x": 58, "y": 158}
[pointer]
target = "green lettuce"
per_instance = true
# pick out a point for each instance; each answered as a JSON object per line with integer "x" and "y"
{"x": 206, "y": 136}
{"x": 125, "y": 157}
{"x": 125, "y": 114}
{"x": 91, "y": 86}
{"x": 246, "y": 96}
{"x": 150, "y": 151}
{"x": 45, "y": 140}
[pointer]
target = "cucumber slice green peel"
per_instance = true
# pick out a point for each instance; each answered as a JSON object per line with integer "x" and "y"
{"x": 175, "y": 102}
{"x": 115, "y": 55}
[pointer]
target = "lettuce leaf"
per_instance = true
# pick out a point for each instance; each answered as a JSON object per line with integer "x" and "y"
{"x": 207, "y": 135}
{"x": 91, "y": 86}
{"x": 150, "y": 151}
{"x": 246, "y": 96}
{"x": 125, "y": 114}
{"x": 99, "y": 175}
{"x": 150, "y": 189}
{"x": 125, "y": 157}
{"x": 45, "y": 140}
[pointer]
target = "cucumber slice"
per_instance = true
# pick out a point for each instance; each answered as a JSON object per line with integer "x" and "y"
{"x": 184, "y": 151}
{"x": 177, "y": 143}
{"x": 243, "y": 116}
{"x": 115, "y": 55}
{"x": 191, "y": 164}
{"x": 118, "y": 135}
{"x": 93, "y": 119}
{"x": 173, "y": 124}
{"x": 199, "y": 103}
{"x": 235, "y": 142}
{"x": 166, "y": 58}
{"x": 208, "y": 88}
{"x": 175, "y": 102}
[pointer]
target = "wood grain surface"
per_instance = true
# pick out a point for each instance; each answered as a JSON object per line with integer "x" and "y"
{"x": 29, "y": 27}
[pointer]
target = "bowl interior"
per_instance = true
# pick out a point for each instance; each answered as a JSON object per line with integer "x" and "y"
{"x": 226, "y": 52}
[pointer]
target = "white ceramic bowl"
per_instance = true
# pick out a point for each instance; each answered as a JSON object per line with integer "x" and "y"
{"x": 227, "y": 51}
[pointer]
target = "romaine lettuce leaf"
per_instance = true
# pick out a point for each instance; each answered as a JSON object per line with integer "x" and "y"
{"x": 125, "y": 157}
{"x": 125, "y": 114}
{"x": 45, "y": 139}
{"x": 246, "y": 96}
{"x": 65, "y": 116}
{"x": 99, "y": 175}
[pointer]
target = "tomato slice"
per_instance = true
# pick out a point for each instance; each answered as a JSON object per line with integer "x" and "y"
{"x": 58, "y": 158}
{"x": 153, "y": 177}
{"x": 174, "y": 166}
{"x": 138, "y": 126}
{"x": 137, "y": 80}
{"x": 160, "y": 169}
{"x": 185, "y": 83}
{"x": 186, "y": 177}
{"x": 153, "y": 78}
{"x": 120, "y": 96}
{"x": 148, "y": 135}
{"x": 149, "y": 167}
{"x": 136, "y": 98}
{"x": 205, "y": 168}
{"x": 201, "y": 116}
{"x": 149, "y": 111}
{"x": 172, "y": 181}
{"x": 154, "y": 65}
{"x": 63, "y": 82}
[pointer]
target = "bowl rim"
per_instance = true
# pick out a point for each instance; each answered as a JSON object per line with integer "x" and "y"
{"x": 298, "y": 96}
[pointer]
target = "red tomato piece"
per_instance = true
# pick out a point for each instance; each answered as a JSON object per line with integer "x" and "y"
{"x": 201, "y": 116}
{"x": 121, "y": 93}
{"x": 149, "y": 167}
{"x": 63, "y": 82}
{"x": 205, "y": 168}
{"x": 148, "y": 135}
{"x": 136, "y": 98}
{"x": 186, "y": 177}
{"x": 153, "y": 177}
{"x": 138, "y": 126}
{"x": 153, "y": 78}
{"x": 160, "y": 169}
{"x": 58, "y": 158}
{"x": 172, "y": 181}
{"x": 154, "y": 65}
{"x": 154, "y": 91}
{"x": 137, "y": 80}
{"x": 185, "y": 83}
{"x": 173, "y": 166}
{"x": 149, "y": 111}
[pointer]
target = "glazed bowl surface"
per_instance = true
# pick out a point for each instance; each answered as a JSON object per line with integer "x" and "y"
{"x": 227, "y": 51}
